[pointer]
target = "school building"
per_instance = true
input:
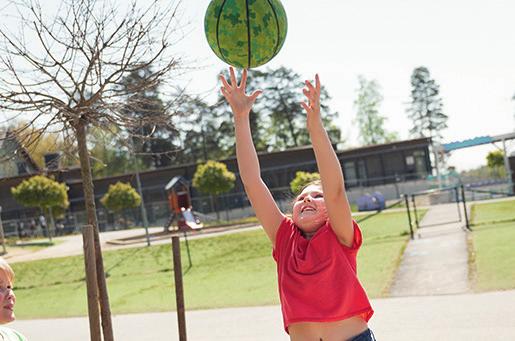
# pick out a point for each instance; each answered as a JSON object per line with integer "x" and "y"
{"x": 366, "y": 166}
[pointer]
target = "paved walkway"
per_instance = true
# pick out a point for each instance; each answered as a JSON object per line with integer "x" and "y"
{"x": 436, "y": 261}
{"x": 470, "y": 317}
{"x": 72, "y": 245}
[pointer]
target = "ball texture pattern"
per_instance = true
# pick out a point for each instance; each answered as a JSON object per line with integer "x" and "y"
{"x": 245, "y": 33}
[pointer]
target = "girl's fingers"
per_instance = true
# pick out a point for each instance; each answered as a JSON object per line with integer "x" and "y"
{"x": 309, "y": 95}
{"x": 233, "y": 77}
{"x": 224, "y": 81}
{"x": 313, "y": 94}
{"x": 255, "y": 95}
{"x": 306, "y": 107}
{"x": 310, "y": 87}
{"x": 224, "y": 92}
{"x": 243, "y": 82}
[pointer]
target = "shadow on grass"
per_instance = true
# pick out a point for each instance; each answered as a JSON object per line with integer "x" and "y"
{"x": 493, "y": 222}
{"x": 117, "y": 264}
{"x": 82, "y": 280}
{"x": 33, "y": 243}
{"x": 384, "y": 240}
{"x": 494, "y": 226}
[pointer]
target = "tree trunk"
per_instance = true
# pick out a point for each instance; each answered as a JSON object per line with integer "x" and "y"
{"x": 88, "y": 241}
{"x": 51, "y": 227}
{"x": 89, "y": 200}
{"x": 213, "y": 207}
{"x": 2, "y": 236}
{"x": 124, "y": 217}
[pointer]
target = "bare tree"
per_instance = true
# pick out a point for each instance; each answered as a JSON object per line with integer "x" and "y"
{"x": 64, "y": 73}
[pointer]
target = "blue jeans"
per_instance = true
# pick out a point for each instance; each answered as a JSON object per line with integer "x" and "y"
{"x": 367, "y": 335}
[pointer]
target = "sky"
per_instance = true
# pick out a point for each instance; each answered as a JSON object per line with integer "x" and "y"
{"x": 468, "y": 46}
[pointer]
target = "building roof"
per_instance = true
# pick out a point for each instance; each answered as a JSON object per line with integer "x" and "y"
{"x": 177, "y": 180}
{"x": 8, "y": 135}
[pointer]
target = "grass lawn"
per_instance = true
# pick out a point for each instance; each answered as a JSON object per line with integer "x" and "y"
{"x": 501, "y": 211}
{"x": 493, "y": 243}
{"x": 229, "y": 270}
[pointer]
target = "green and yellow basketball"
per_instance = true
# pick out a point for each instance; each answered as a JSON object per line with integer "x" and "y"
{"x": 245, "y": 33}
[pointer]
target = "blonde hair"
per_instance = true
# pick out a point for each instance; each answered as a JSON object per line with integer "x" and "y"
{"x": 6, "y": 269}
{"x": 317, "y": 182}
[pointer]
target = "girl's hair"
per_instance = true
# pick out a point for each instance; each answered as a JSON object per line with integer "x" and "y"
{"x": 6, "y": 269}
{"x": 317, "y": 182}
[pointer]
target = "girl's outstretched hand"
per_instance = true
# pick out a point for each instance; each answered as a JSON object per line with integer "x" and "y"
{"x": 313, "y": 95}
{"x": 235, "y": 94}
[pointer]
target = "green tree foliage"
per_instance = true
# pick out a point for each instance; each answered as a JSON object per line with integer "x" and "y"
{"x": 370, "y": 122}
{"x": 302, "y": 179}
{"x": 426, "y": 107}
{"x": 121, "y": 196}
{"x": 287, "y": 119}
{"x": 277, "y": 120}
{"x": 199, "y": 131}
{"x": 40, "y": 191}
{"x": 495, "y": 159}
{"x": 156, "y": 144}
{"x": 213, "y": 178}
{"x": 110, "y": 154}
{"x": 257, "y": 120}
{"x": 39, "y": 143}
{"x": 45, "y": 193}
{"x": 495, "y": 162}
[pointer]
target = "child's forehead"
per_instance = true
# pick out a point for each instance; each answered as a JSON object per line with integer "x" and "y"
{"x": 311, "y": 189}
{"x": 4, "y": 277}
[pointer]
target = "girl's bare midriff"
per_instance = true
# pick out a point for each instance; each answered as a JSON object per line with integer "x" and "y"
{"x": 327, "y": 331}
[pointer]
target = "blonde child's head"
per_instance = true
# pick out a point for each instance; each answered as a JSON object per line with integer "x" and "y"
{"x": 7, "y": 297}
{"x": 309, "y": 210}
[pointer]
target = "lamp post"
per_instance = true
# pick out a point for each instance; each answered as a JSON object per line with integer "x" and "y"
{"x": 2, "y": 232}
{"x": 140, "y": 192}
{"x": 143, "y": 209}
{"x": 507, "y": 167}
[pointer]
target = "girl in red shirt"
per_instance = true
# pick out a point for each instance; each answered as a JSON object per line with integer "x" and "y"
{"x": 315, "y": 250}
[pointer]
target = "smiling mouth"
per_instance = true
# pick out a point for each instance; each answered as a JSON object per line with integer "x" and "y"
{"x": 307, "y": 208}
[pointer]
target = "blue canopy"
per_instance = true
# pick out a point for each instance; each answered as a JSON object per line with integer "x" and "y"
{"x": 476, "y": 141}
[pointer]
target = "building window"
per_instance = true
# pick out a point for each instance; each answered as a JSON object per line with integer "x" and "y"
{"x": 362, "y": 172}
{"x": 420, "y": 162}
{"x": 374, "y": 167}
{"x": 349, "y": 172}
{"x": 410, "y": 161}
{"x": 393, "y": 164}
{"x": 22, "y": 168}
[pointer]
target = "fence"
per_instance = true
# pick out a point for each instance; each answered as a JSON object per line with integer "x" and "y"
{"x": 24, "y": 223}
{"x": 439, "y": 196}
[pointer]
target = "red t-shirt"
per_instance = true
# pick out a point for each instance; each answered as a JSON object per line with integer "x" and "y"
{"x": 317, "y": 277}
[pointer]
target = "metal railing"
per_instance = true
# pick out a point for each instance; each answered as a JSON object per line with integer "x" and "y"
{"x": 454, "y": 196}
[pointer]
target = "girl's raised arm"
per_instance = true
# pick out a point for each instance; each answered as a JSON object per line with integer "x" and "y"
{"x": 331, "y": 174}
{"x": 259, "y": 195}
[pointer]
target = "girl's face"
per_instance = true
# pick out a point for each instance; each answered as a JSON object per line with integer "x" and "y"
{"x": 309, "y": 210}
{"x": 7, "y": 299}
